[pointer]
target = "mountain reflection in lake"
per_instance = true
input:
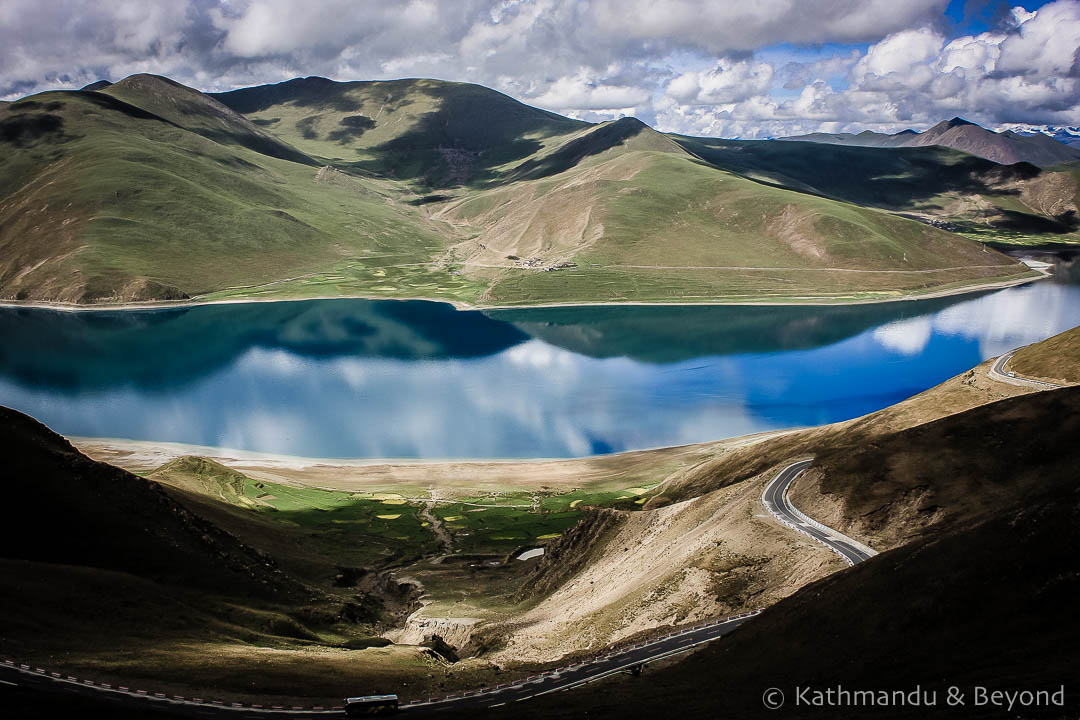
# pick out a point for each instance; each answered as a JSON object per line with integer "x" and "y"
{"x": 357, "y": 378}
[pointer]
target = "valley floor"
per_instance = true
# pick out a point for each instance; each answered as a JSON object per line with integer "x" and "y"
{"x": 705, "y": 551}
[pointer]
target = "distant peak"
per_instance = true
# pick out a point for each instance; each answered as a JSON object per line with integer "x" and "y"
{"x": 150, "y": 81}
{"x": 629, "y": 122}
{"x": 957, "y": 121}
{"x": 98, "y": 85}
{"x": 909, "y": 131}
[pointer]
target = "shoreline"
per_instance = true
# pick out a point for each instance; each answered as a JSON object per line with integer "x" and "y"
{"x": 465, "y": 306}
{"x": 147, "y": 452}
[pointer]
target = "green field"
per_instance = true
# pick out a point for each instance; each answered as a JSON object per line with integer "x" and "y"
{"x": 483, "y": 530}
{"x": 387, "y": 527}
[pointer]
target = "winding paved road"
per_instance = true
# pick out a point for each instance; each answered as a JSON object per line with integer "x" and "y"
{"x": 998, "y": 372}
{"x": 578, "y": 674}
{"x": 777, "y": 503}
{"x": 14, "y": 675}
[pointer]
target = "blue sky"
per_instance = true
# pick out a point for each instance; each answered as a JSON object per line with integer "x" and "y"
{"x": 728, "y": 69}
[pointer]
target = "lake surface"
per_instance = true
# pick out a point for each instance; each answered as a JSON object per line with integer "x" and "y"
{"x": 355, "y": 378}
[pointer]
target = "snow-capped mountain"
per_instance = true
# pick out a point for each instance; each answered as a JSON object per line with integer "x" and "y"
{"x": 1067, "y": 134}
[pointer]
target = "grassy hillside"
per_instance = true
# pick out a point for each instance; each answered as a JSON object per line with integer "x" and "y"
{"x": 148, "y": 190}
{"x": 656, "y": 225}
{"x": 989, "y": 603}
{"x": 933, "y": 476}
{"x": 437, "y": 134}
{"x": 192, "y": 110}
{"x": 314, "y": 533}
{"x": 103, "y": 201}
{"x": 965, "y": 193}
{"x": 1044, "y": 359}
{"x": 170, "y": 583}
{"x": 114, "y": 566}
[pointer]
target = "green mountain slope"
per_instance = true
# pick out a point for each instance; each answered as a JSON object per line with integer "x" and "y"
{"x": 636, "y": 223}
{"x": 436, "y": 133}
{"x": 148, "y": 190}
{"x": 195, "y": 111}
{"x": 104, "y": 201}
{"x": 947, "y": 187}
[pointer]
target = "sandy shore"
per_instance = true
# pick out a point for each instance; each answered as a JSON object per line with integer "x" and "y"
{"x": 355, "y": 474}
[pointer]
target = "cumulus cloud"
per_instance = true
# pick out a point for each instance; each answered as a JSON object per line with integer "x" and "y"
{"x": 725, "y": 27}
{"x": 1025, "y": 71}
{"x": 773, "y": 67}
{"x": 580, "y": 92}
{"x": 1045, "y": 43}
{"x": 728, "y": 82}
{"x": 900, "y": 60}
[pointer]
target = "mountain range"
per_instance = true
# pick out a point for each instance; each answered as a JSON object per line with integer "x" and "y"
{"x": 1005, "y": 147}
{"x": 147, "y": 190}
{"x": 1062, "y": 133}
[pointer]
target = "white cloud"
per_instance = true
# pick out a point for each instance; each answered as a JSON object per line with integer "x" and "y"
{"x": 578, "y": 92}
{"x": 900, "y": 59}
{"x": 724, "y": 27}
{"x": 728, "y": 82}
{"x": 1019, "y": 16}
{"x": 972, "y": 53}
{"x": 1025, "y": 72}
{"x": 1045, "y": 44}
{"x": 688, "y": 65}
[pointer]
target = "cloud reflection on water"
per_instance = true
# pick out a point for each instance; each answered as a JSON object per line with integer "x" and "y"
{"x": 998, "y": 322}
{"x": 534, "y": 398}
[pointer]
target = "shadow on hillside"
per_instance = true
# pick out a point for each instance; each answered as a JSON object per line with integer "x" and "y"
{"x": 261, "y": 145}
{"x": 887, "y": 178}
{"x": 1015, "y": 221}
{"x": 473, "y": 130}
{"x": 570, "y": 154}
{"x": 351, "y": 126}
{"x": 108, "y": 102}
{"x": 22, "y": 129}
{"x": 317, "y": 92}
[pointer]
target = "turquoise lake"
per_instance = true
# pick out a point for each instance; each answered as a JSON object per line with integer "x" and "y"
{"x": 389, "y": 379}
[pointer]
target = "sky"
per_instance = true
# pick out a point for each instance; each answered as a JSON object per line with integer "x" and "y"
{"x": 725, "y": 68}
